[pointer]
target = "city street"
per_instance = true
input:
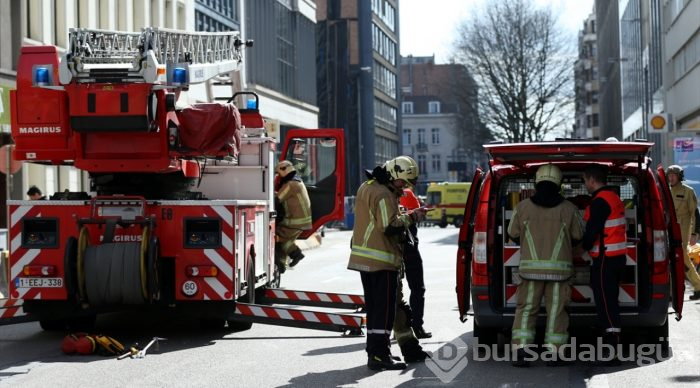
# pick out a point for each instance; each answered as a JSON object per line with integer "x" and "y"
{"x": 267, "y": 356}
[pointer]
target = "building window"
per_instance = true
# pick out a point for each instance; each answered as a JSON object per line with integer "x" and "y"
{"x": 435, "y": 136}
{"x": 434, "y": 107}
{"x": 407, "y": 107}
{"x": 436, "y": 163}
{"x": 421, "y": 163}
{"x": 407, "y": 136}
{"x": 421, "y": 135}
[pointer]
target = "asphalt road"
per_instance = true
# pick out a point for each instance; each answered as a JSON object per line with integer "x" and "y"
{"x": 280, "y": 356}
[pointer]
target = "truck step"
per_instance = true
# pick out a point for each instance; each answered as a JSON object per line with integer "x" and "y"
{"x": 285, "y": 316}
{"x": 318, "y": 299}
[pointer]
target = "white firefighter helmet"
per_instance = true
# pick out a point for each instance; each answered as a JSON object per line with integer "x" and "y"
{"x": 403, "y": 168}
{"x": 548, "y": 172}
{"x": 284, "y": 168}
{"x": 675, "y": 169}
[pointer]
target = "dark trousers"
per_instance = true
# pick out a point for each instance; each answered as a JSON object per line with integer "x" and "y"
{"x": 380, "y": 303}
{"x": 413, "y": 265}
{"x": 606, "y": 275}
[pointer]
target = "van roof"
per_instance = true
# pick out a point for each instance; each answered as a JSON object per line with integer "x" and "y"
{"x": 568, "y": 151}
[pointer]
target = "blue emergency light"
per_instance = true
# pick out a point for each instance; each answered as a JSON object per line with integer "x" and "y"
{"x": 250, "y": 104}
{"x": 41, "y": 76}
{"x": 179, "y": 76}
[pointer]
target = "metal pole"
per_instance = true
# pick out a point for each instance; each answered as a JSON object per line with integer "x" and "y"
{"x": 359, "y": 129}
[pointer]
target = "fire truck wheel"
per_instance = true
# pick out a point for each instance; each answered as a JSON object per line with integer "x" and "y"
{"x": 83, "y": 242}
{"x": 658, "y": 336}
{"x": 276, "y": 278}
{"x": 70, "y": 266}
{"x": 153, "y": 273}
{"x": 52, "y": 324}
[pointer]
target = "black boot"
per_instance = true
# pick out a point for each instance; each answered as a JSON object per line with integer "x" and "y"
{"x": 412, "y": 351}
{"x": 384, "y": 363}
{"x": 296, "y": 257}
{"x": 421, "y": 333}
{"x": 520, "y": 360}
{"x": 695, "y": 296}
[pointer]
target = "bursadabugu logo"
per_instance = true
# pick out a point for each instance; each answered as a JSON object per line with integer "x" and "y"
{"x": 449, "y": 359}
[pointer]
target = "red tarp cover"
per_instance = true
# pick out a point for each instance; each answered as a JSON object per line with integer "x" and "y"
{"x": 210, "y": 128}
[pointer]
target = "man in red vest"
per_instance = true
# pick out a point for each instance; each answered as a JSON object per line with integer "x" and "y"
{"x": 605, "y": 239}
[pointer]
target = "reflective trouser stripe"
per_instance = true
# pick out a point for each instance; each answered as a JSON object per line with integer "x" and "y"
{"x": 523, "y": 329}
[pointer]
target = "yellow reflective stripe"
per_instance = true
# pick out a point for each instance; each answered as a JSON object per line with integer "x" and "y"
{"x": 551, "y": 313}
{"x": 373, "y": 254}
{"x": 530, "y": 241}
{"x": 383, "y": 212}
{"x": 370, "y": 228}
{"x": 556, "y": 338}
{"x": 615, "y": 222}
{"x": 545, "y": 264}
{"x": 560, "y": 240}
{"x": 524, "y": 336}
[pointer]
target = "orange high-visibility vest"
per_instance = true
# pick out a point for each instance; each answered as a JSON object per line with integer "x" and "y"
{"x": 615, "y": 231}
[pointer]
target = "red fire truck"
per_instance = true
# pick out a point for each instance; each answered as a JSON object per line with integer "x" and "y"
{"x": 180, "y": 210}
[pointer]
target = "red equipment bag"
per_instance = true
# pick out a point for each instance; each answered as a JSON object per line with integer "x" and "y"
{"x": 210, "y": 128}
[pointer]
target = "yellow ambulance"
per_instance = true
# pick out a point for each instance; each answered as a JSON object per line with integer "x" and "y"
{"x": 448, "y": 199}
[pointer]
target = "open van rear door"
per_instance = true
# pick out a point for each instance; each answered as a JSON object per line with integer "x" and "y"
{"x": 319, "y": 157}
{"x": 464, "y": 250}
{"x": 677, "y": 264}
{"x": 567, "y": 151}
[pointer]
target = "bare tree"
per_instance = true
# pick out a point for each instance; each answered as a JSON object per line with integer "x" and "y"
{"x": 519, "y": 58}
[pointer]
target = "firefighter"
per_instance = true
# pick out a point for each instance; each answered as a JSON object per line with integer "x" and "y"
{"x": 546, "y": 225}
{"x": 605, "y": 239}
{"x": 34, "y": 193}
{"x": 376, "y": 252}
{"x": 413, "y": 268}
{"x": 294, "y": 214}
{"x": 686, "y": 203}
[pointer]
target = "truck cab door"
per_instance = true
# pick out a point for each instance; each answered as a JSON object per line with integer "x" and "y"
{"x": 464, "y": 247}
{"x": 676, "y": 247}
{"x": 318, "y": 156}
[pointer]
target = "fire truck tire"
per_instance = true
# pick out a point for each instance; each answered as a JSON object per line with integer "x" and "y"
{"x": 658, "y": 336}
{"x": 250, "y": 295}
{"x": 83, "y": 241}
{"x": 70, "y": 267}
{"x": 153, "y": 273}
{"x": 143, "y": 261}
{"x": 276, "y": 278}
{"x": 52, "y": 324}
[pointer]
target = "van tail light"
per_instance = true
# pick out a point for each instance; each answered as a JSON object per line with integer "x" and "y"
{"x": 660, "y": 274}
{"x": 480, "y": 247}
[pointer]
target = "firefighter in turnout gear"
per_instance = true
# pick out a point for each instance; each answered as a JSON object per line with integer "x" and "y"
{"x": 376, "y": 252}
{"x": 546, "y": 225}
{"x": 686, "y": 203}
{"x": 294, "y": 215}
{"x": 605, "y": 239}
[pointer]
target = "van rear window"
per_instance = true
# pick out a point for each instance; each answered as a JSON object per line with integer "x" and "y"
{"x": 433, "y": 198}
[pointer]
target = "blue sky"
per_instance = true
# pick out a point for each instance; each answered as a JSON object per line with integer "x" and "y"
{"x": 428, "y": 27}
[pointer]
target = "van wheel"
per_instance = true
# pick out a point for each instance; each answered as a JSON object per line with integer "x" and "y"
{"x": 443, "y": 224}
{"x": 485, "y": 336}
{"x": 457, "y": 222}
{"x": 659, "y": 336}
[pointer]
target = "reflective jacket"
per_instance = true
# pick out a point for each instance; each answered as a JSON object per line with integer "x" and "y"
{"x": 376, "y": 208}
{"x": 545, "y": 235}
{"x": 685, "y": 203}
{"x": 615, "y": 230}
{"x": 296, "y": 204}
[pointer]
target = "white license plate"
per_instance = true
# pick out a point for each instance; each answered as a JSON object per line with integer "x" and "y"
{"x": 39, "y": 282}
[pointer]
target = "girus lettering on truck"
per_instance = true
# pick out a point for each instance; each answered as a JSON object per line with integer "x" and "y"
{"x": 487, "y": 261}
{"x": 198, "y": 178}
